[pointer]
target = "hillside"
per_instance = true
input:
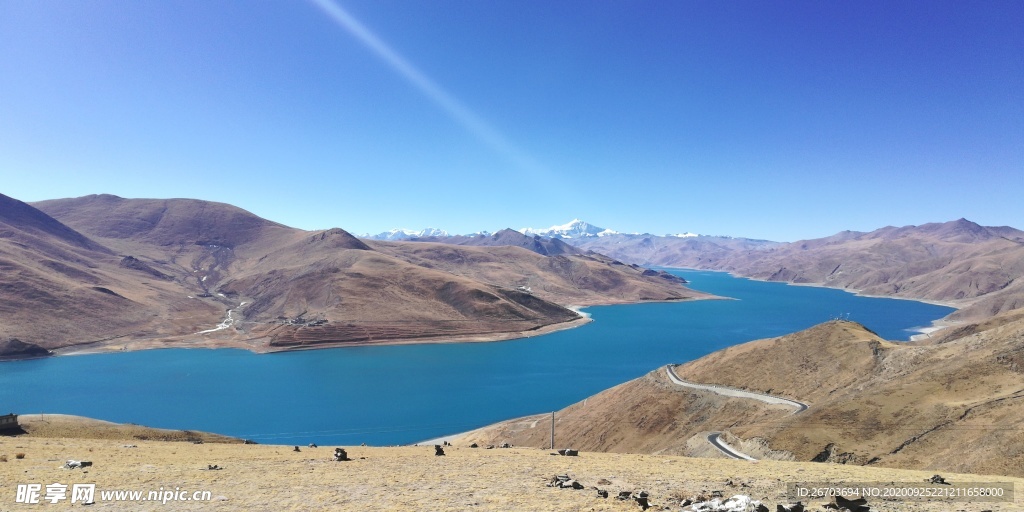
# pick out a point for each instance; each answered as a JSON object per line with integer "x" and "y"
{"x": 582, "y": 280}
{"x": 103, "y": 271}
{"x": 978, "y": 267}
{"x": 60, "y": 288}
{"x": 671, "y": 251}
{"x": 975, "y": 268}
{"x": 954, "y": 403}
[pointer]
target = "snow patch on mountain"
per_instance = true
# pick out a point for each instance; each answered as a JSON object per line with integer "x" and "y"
{"x": 576, "y": 228}
{"x": 405, "y": 234}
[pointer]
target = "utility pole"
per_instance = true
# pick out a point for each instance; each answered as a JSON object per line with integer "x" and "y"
{"x": 552, "y": 430}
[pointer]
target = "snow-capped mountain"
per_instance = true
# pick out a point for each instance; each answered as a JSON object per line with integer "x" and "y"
{"x": 405, "y": 234}
{"x": 574, "y": 229}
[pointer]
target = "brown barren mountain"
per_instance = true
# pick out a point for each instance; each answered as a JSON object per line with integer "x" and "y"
{"x": 953, "y": 403}
{"x": 60, "y": 288}
{"x": 978, "y": 269}
{"x": 975, "y": 267}
{"x": 671, "y": 251}
{"x": 103, "y": 271}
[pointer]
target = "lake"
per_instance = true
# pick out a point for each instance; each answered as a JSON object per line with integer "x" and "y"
{"x": 407, "y": 393}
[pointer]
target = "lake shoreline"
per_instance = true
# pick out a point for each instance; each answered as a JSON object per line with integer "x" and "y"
{"x": 923, "y": 332}
{"x": 215, "y": 344}
{"x": 254, "y": 345}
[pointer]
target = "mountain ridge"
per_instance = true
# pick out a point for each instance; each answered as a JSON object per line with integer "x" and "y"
{"x": 147, "y": 273}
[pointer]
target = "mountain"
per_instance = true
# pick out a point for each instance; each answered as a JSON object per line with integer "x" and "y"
{"x": 682, "y": 250}
{"x": 578, "y": 279}
{"x": 61, "y": 288}
{"x": 945, "y": 405}
{"x": 102, "y": 271}
{"x": 405, "y": 234}
{"x": 19, "y": 221}
{"x": 506, "y": 237}
{"x": 575, "y": 228}
{"x": 977, "y": 268}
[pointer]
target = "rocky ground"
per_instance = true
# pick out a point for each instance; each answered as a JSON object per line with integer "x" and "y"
{"x": 269, "y": 477}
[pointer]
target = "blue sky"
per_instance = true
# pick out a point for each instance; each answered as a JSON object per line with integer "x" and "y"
{"x": 778, "y": 120}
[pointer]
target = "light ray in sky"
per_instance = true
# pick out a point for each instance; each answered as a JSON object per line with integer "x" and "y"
{"x": 452, "y": 106}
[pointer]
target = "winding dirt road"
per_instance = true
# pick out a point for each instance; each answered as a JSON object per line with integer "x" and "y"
{"x": 713, "y": 437}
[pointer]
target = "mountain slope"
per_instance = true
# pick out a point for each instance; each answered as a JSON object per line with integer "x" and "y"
{"x": 973, "y": 267}
{"x": 567, "y": 279}
{"x": 671, "y": 251}
{"x": 960, "y": 261}
{"x": 954, "y": 404}
{"x": 235, "y": 279}
{"x": 19, "y": 221}
{"x": 60, "y": 288}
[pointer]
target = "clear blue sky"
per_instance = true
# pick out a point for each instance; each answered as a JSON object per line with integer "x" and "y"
{"x": 778, "y": 120}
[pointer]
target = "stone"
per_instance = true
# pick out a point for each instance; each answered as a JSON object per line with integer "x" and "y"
{"x": 737, "y": 503}
{"x": 340, "y": 455}
{"x": 642, "y": 500}
{"x": 855, "y": 505}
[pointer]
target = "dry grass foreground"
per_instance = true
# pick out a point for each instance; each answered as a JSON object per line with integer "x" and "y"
{"x": 269, "y": 477}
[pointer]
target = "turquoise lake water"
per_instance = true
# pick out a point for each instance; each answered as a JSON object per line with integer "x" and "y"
{"x": 403, "y": 394}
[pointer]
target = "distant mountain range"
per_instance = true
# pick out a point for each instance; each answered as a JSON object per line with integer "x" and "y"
{"x": 507, "y": 237}
{"x": 405, "y": 234}
{"x": 975, "y": 267}
{"x": 574, "y": 229}
{"x": 104, "y": 271}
